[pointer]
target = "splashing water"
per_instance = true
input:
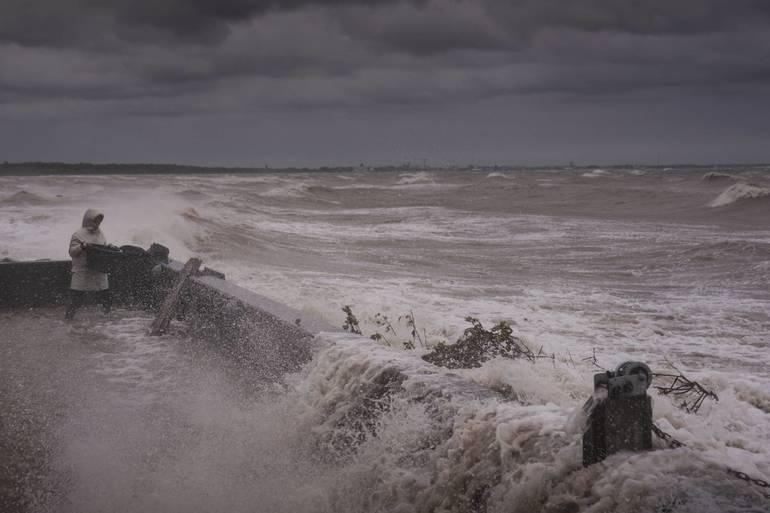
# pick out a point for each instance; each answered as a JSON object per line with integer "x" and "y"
{"x": 636, "y": 266}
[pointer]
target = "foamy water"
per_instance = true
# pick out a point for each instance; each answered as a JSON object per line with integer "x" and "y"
{"x": 634, "y": 264}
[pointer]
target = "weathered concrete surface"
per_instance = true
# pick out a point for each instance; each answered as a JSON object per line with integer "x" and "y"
{"x": 46, "y": 283}
{"x": 39, "y": 363}
{"x": 273, "y": 338}
{"x": 33, "y": 284}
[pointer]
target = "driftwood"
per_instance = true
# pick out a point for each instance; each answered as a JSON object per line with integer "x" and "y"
{"x": 680, "y": 386}
{"x": 166, "y": 312}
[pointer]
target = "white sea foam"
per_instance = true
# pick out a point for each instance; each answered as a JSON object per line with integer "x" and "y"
{"x": 412, "y": 178}
{"x": 519, "y": 456}
{"x": 288, "y": 189}
{"x": 596, "y": 173}
{"x": 739, "y": 192}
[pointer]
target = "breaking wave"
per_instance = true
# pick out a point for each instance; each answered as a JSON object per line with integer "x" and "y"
{"x": 596, "y": 173}
{"x": 192, "y": 194}
{"x": 413, "y": 178}
{"x": 414, "y": 438}
{"x": 190, "y": 213}
{"x": 24, "y": 198}
{"x": 287, "y": 190}
{"x": 714, "y": 176}
{"x": 740, "y": 192}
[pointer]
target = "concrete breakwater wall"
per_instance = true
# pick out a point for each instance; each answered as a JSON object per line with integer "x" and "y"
{"x": 271, "y": 337}
{"x": 43, "y": 283}
{"x": 33, "y": 284}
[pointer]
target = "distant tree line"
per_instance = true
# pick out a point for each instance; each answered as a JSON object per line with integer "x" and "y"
{"x": 85, "y": 168}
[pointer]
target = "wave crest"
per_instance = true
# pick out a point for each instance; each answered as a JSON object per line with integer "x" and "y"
{"x": 712, "y": 176}
{"x": 24, "y": 198}
{"x": 740, "y": 192}
{"x": 596, "y": 173}
{"x": 412, "y": 178}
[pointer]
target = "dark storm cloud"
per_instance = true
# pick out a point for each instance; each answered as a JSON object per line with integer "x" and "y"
{"x": 431, "y": 27}
{"x": 234, "y": 54}
{"x": 79, "y": 22}
{"x": 441, "y": 26}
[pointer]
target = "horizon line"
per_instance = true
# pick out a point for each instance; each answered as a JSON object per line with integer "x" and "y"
{"x": 374, "y": 167}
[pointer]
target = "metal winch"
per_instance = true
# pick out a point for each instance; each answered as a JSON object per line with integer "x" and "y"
{"x": 629, "y": 379}
{"x": 619, "y": 413}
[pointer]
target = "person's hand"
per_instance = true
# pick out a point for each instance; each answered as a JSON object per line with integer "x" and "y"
{"x": 83, "y": 245}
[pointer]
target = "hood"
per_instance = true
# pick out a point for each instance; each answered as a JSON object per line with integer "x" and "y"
{"x": 89, "y": 218}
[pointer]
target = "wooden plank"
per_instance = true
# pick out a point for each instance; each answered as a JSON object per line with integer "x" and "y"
{"x": 167, "y": 309}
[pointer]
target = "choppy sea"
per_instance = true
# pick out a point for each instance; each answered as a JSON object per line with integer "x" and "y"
{"x": 665, "y": 266}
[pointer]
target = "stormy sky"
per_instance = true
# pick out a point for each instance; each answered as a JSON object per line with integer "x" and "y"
{"x": 338, "y": 82}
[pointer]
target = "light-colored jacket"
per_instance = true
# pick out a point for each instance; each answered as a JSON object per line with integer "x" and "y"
{"x": 84, "y": 278}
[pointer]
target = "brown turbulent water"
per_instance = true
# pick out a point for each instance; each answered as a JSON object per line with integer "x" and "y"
{"x": 646, "y": 264}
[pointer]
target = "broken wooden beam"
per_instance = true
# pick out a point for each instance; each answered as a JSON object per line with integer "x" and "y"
{"x": 169, "y": 306}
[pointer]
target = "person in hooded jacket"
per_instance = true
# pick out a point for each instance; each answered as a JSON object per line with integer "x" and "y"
{"x": 84, "y": 280}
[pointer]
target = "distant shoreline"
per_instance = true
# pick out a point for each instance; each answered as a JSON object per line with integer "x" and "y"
{"x": 60, "y": 168}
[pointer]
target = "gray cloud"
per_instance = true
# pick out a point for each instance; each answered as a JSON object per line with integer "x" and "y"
{"x": 91, "y": 23}
{"x": 411, "y": 25}
{"x": 67, "y": 59}
{"x": 647, "y": 17}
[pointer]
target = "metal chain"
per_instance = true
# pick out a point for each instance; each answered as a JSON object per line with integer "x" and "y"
{"x": 674, "y": 443}
{"x": 748, "y": 478}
